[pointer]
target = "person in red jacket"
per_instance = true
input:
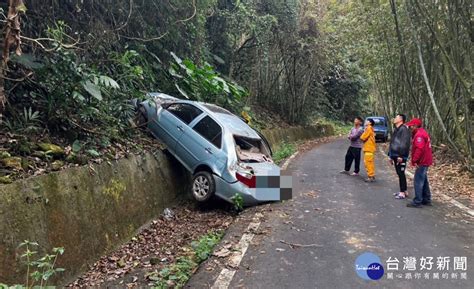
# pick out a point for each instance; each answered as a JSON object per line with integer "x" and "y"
{"x": 421, "y": 158}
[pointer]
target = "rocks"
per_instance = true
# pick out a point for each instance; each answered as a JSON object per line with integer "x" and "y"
{"x": 51, "y": 149}
{"x": 5, "y": 180}
{"x": 12, "y": 163}
{"x": 4, "y": 154}
{"x": 57, "y": 165}
{"x": 168, "y": 214}
{"x": 79, "y": 159}
{"x": 39, "y": 154}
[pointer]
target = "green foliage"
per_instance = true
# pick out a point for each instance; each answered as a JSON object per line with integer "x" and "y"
{"x": 44, "y": 267}
{"x": 26, "y": 122}
{"x": 202, "y": 83}
{"x": 203, "y": 247}
{"x": 390, "y": 50}
{"x": 346, "y": 93}
{"x": 177, "y": 274}
{"x": 238, "y": 202}
{"x": 98, "y": 59}
{"x": 71, "y": 94}
{"x": 340, "y": 127}
{"x": 284, "y": 150}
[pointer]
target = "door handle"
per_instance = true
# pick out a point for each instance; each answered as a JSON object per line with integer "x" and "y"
{"x": 180, "y": 127}
{"x": 209, "y": 150}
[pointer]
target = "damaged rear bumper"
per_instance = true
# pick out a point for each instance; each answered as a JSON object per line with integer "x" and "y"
{"x": 253, "y": 196}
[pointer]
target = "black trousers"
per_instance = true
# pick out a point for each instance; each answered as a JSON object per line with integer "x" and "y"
{"x": 400, "y": 169}
{"x": 351, "y": 155}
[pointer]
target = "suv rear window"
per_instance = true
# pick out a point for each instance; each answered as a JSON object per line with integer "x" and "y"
{"x": 379, "y": 121}
{"x": 210, "y": 130}
{"x": 185, "y": 112}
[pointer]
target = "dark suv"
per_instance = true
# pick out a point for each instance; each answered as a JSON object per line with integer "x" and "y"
{"x": 380, "y": 128}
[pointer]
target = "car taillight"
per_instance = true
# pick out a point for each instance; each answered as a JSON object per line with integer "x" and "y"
{"x": 246, "y": 177}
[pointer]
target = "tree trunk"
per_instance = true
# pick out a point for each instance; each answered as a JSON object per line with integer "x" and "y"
{"x": 431, "y": 95}
{"x": 11, "y": 38}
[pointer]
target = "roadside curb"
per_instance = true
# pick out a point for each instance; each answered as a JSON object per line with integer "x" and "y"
{"x": 288, "y": 160}
{"x": 449, "y": 199}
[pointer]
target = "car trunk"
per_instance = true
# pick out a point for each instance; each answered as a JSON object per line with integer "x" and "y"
{"x": 252, "y": 150}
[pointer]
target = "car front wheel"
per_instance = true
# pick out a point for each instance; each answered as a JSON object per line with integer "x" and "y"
{"x": 203, "y": 187}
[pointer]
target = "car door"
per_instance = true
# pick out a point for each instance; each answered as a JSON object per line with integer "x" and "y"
{"x": 172, "y": 121}
{"x": 202, "y": 144}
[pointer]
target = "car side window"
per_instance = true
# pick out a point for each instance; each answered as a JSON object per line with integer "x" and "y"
{"x": 210, "y": 130}
{"x": 185, "y": 112}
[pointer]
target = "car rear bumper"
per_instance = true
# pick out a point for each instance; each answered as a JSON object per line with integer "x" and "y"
{"x": 226, "y": 191}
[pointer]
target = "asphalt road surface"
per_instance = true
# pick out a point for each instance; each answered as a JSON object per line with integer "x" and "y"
{"x": 338, "y": 217}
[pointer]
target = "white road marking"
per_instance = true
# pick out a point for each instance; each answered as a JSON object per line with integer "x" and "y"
{"x": 443, "y": 196}
{"x": 287, "y": 162}
{"x": 226, "y": 275}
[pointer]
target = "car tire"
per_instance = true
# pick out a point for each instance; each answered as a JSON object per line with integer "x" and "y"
{"x": 203, "y": 186}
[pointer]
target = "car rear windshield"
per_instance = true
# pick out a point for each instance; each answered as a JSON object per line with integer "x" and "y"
{"x": 251, "y": 150}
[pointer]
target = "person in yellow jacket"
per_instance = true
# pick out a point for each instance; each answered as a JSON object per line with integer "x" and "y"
{"x": 368, "y": 137}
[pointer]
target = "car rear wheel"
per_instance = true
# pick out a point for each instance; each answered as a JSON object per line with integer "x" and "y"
{"x": 203, "y": 187}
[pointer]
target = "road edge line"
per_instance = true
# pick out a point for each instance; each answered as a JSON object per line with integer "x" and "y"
{"x": 287, "y": 162}
{"x": 451, "y": 200}
{"x": 226, "y": 275}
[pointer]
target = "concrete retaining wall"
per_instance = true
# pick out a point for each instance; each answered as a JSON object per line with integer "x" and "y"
{"x": 90, "y": 212}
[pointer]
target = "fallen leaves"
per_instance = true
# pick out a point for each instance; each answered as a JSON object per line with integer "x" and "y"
{"x": 311, "y": 194}
{"x": 159, "y": 244}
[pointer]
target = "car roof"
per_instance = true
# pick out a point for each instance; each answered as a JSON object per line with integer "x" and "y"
{"x": 226, "y": 119}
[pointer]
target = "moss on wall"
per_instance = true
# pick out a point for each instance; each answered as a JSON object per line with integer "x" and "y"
{"x": 88, "y": 212}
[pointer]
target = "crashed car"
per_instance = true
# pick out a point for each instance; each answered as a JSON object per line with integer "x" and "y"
{"x": 221, "y": 151}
